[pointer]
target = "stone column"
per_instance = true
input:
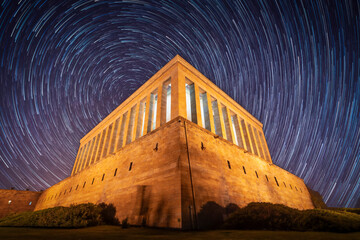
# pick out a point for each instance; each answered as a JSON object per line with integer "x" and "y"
{"x": 249, "y": 137}
{"x": 238, "y": 132}
{"x": 114, "y": 136}
{"x": 266, "y": 149}
{"x": 137, "y": 113}
{"x": 244, "y": 134}
{"x": 211, "y": 117}
{"x": 117, "y": 137}
{"x": 140, "y": 119}
{"x": 97, "y": 141}
{"x": 101, "y": 145}
{"x": 92, "y": 150}
{"x": 231, "y": 131}
{"x": 107, "y": 142}
{"x": 88, "y": 158}
{"x": 163, "y": 101}
{"x": 159, "y": 109}
{"x": 258, "y": 143}
{"x": 83, "y": 160}
{"x": 178, "y": 94}
{"x": 104, "y": 143}
{"x": 197, "y": 105}
{"x": 147, "y": 114}
{"x": 221, "y": 120}
{"x": 126, "y": 128}
{"x": 77, "y": 160}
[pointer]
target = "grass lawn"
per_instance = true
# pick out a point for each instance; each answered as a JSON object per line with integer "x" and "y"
{"x": 115, "y": 232}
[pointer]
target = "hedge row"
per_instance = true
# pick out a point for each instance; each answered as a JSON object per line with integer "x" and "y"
{"x": 75, "y": 216}
{"x": 267, "y": 216}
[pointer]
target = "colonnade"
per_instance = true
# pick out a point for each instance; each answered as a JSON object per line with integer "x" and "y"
{"x": 178, "y": 89}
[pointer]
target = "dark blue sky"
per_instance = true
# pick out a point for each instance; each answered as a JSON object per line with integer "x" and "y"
{"x": 294, "y": 65}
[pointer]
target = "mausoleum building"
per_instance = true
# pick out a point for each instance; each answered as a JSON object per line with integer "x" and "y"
{"x": 176, "y": 144}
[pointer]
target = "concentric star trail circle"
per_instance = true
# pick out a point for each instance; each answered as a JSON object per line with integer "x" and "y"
{"x": 294, "y": 65}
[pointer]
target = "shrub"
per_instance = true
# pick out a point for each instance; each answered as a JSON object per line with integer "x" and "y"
{"x": 75, "y": 216}
{"x": 124, "y": 223}
{"x": 267, "y": 216}
{"x": 352, "y": 210}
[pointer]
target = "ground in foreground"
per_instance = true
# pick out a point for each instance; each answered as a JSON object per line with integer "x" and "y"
{"x": 116, "y": 232}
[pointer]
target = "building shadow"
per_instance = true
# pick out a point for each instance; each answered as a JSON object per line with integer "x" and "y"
{"x": 212, "y": 215}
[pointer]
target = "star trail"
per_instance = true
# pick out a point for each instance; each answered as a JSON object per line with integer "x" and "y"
{"x": 294, "y": 65}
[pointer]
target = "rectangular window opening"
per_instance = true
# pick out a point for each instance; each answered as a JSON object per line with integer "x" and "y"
{"x": 168, "y": 103}
{"x": 70, "y": 189}
{"x": 115, "y": 172}
{"x": 229, "y": 164}
{"x": 267, "y": 179}
{"x": 256, "y": 174}
{"x": 77, "y": 187}
{"x": 244, "y": 169}
{"x": 290, "y": 186}
{"x": 84, "y": 184}
{"x": 130, "y": 166}
{"x": 284, "y": 184}
{"x": 102, "y": 179}
{"x": 295, "y": 188}
{"x": 93, "y": 181}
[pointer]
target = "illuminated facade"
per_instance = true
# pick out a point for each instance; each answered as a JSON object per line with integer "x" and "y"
{"x": 176, "y": 144}
{"x": 162, "y": 98}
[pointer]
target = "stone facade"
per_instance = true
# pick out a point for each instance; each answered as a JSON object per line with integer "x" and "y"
{"x": 15, "y": 201}
{"x": 173, "y": 146}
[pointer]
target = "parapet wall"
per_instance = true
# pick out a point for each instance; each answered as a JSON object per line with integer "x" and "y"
{"x": 15, "y": 201}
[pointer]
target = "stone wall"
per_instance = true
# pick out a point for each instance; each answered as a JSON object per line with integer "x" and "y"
{"x": 14, "y": 201}
{"x": 174, "y": 173}
{"x": 148, "y": 194}
{"x": 226, "y": 174}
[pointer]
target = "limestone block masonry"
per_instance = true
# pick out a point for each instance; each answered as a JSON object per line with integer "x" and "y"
{"x": 176, "y": 144}
{"x": 15, "y": 201}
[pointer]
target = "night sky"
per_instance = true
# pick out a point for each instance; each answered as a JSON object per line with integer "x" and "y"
{"x": 294, "y": 65}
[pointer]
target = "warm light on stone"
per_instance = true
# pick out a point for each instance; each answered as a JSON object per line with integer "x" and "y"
{"x": 175, "y": 144}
